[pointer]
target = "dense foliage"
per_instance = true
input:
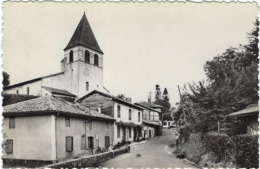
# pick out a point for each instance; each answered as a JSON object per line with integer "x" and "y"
{"x": 14, "y": 98}
{"x": 232, "y": 84}
{"x": 162, "y": 100}
{"x": 247, "y": 150}
{"x": 6, "y": 79}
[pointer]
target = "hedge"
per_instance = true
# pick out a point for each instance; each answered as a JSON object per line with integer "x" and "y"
{"x": 247, "y": 150}
{"x": 14, "y": 98}
{"x": 220, "y": 144}
{"x": 241, "y": 149}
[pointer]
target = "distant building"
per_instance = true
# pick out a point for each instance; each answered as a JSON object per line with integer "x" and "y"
{"x": 81, "y": 68}
{"x": 151, "y": 121}
{"x": 128, "y": 125}
{"x": 48, "y": 129}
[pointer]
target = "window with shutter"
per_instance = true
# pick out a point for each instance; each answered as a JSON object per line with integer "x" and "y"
{"x": 107, "y": 141}
{"x": 83, "y": 142}
{"x": 130, "y": 114}
{"x": 69, "y": 144}
{"x": 118, "y": 131}
{"x": 67, "y": 122}
{"x": 130, "y": 132}
{"x": 11, "y": 122}
{"x": 9, "y": 146}
{"x": 139, "y": 116}
{"x": 118, "y": 111}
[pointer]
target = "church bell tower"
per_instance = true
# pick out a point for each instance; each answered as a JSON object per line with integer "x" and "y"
{"x": 83, "y": 61}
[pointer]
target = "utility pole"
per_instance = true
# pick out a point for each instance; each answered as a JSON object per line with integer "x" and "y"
{"x": 181, "y": 103}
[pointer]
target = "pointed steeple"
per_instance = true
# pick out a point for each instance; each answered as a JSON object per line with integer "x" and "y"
{"x": 84, "y": 36}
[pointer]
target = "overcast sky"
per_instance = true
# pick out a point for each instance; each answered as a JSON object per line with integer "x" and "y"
{"x": 144, "y": 44}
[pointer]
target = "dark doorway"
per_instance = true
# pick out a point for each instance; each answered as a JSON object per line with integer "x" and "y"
{"x": 90, "y": 144}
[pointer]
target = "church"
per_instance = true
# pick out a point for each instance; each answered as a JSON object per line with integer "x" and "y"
{"x": 81, "y": 69}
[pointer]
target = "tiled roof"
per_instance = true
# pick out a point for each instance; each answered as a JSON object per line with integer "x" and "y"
{"x": 50, "y": 105}
{"x": 147, "y": 107}
{"x": 33, "y": 80}
{"x": 150, "y": 105}
{"x": 254, "y": 110}
{"x": 156, "y": 123}
{"x": 58, "y": 91}
{"x": 84, "y": 36}
{"x": 112, "y": 97}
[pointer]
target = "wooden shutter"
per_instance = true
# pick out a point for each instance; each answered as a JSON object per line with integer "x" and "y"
{"x": 9, "y": 146}
{"x": 130, "y": 132}
{"x": 83, "y": 142}
{"x": 107, "y": 141}
{"x": 11, "y": 122}
{"x": 69, "y": 144}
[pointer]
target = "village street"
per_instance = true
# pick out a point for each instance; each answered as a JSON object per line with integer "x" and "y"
{"x": 153, "y": 153}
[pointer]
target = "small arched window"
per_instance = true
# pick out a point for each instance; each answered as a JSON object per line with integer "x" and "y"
{"x": 96, "y": 60}
{"x": 28, "y": 90}
{"x": 87, "y": 55}
{"x": 71, "y": 56}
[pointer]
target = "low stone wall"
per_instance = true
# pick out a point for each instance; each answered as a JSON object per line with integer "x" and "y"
{"x": 90, "y": 161}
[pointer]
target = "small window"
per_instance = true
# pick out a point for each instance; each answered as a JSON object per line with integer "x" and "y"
{"x": 71, "y": 56}
{"x": 107, "y": 141}
{"x": 90, "y": 125}
{"x": 87, "y": 55}
{"x": 130, "y": 114}
{"x": 96, "y": 60}
{"x": 28, "y": 90}
{"x": 83, "y": 142}
{"x": 107, "y": 125}
{"x": 118, "y": 131}
{"x": 139, "y": 116}
{"x": 9, "y": 146}
{"x": 118, "y": 111}
{"x": 17, "y": 91}
{"x": 67, "y": 122}
{"x": 130, "y": 132}
{"x": 69, "y": 144}
{"x": 11, "y": 123}
{"x": 87, "y": 86}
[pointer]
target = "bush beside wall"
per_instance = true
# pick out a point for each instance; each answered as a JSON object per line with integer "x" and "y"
{"x": 14, "y": 98}
{"x": 247, "y": 150}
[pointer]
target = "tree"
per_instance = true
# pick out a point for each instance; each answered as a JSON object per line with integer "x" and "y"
{"x": 160, "y": 101}
{"x": 165, "y": 95}
{"x": 121, "y": 96}
{"x": 158, "y": 93}
{"x": 6, "y": 79}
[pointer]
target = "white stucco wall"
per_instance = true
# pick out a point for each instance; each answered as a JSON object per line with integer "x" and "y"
{"x": 124, "y": 117}
{"x": 33, "y": 138}
{"x": 79, "y": 127}
{"x": 34, "y": 89}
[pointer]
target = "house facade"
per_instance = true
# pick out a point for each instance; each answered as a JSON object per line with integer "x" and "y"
{"x": 128, "y": 124}
{"x": 49, "y": 129}
{"x": 151, "y": 121}
{"x": 81, "y": 68}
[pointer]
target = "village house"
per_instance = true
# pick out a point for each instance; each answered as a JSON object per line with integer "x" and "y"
{"x": 81, "y": 68}
{"x": 128, "y": 125}
{"x": 249, "y": 116}
{"x": 49, "y": 129}
{"x": 151, "y": 121}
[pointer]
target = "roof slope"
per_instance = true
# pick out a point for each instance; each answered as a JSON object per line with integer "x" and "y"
{"x": 152, "y": 105}
{"x": 33, "y": 80}
{"x": 147, "y": 107}
{"x": 49, "y": 105}
{"x": 112, "y": 97}
{"x": 254, "y": 110}
{"x": 58, "y": 91}
{"x": 84, "y": 36}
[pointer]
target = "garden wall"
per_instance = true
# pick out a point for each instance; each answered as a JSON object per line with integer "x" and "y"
{"x": 89, "y": 161}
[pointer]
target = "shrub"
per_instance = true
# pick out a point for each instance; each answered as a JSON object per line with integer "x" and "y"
{"x": 247, "y": 150}
{"x": 14, "y": 98}
{"x": 220, "y": 144}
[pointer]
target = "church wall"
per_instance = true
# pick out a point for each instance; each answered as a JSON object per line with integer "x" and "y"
{"x": 58, "y": 82}
{"x": 34, "y": 89}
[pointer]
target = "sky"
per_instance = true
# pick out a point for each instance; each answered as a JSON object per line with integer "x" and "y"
{"x": 144, "y": 44}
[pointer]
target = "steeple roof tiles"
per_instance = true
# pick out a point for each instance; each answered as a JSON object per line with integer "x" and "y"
{"x": 84, "y": 36}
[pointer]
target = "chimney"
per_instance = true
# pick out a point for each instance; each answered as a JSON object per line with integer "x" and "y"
{"x": 128, "y": 100}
